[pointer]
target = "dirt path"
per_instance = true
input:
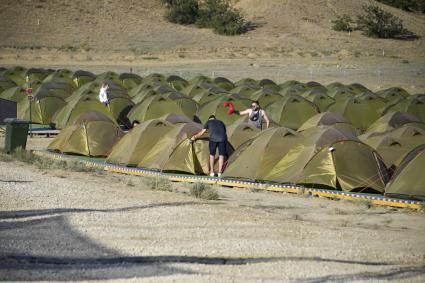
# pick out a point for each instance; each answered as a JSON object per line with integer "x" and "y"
{"x": 61, "y": 225}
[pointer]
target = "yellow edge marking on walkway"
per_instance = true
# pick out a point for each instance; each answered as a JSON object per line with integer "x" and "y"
{"x": 238, "y": 184}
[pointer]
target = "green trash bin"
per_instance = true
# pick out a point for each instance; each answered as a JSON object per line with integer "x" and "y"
{"x": 16, "y": 134}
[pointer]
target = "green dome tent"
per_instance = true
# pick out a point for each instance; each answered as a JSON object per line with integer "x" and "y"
{"x": 207, "y": 96}
{"x": 315, "y": 85}
{"x": 159, "y": 105}
{"x": 247, "y": 82}
{"x": 81, "y": 77}
{"x": 78, "y": 105}
{"x": 223, "y": 83}
{"x": 408, "y": 180}
{"x": 319, "y": 98}
{"x": 292, "y": 111}
{"x": 295, "y": 89}
{"x": 361, "y": 113}
{"x": 394, "y": 145}
{"x": 115, "y": 89}
{"x": 254, "y": 159}
{"x": 266, "y": 97}
{"x": 17, "y": 93}
{"x": 192, "y": 90}
{"x": 144, "y": 91}
{"x": 289, "y": 84}
{"x": 245, "y": 90}
{"x": 35, "y": 74}
{"x": 269, "y": 84}
{"x": 64, "y": 75}
{"x": 341, "y": 93}
{"x": 323, "y": 119}
{"x": 108, "y": 76}
{"x": 334, "y": 85}
{"x": 119, "y": 102}
{"x": 14, "y": 93}
{"x": 174, "y": 118}
{"x": 157, "y": 91}
{"x": 191, "y": 158}
{"x": 414, "y": 104}
{"x": 154, "y": 77}
{"x": 6, "y": 83}
{"x": 43, "y": 108}
{"x": 391, "y": 121}
{"x": 61, "y": 87}
{"x": 216, "y": 107}
{"x": 240, "y": 132}
{"x": 129, "y": 80}
{"x": 358, "y": 88}
{"x": 347, "y": 165}
{"x": 264, "y": 83}
{"x": 142, "y": 87}
{"x": 393, "y": 94}
{"x": 161, "y": 152}
{"x": 14, "y": 76}
{"x": 92, "y": 134}
{"x": 134, "y": 146}
{"x": 201, "y": 79}
{"x": 326, "y": 157}
{"x": 176, "y": 82}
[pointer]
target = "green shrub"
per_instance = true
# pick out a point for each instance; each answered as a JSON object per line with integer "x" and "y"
{"x": 170, "y": 2}
{"x": 184, "y": 12}
{"x": 222, "y": 17}
{"x": 343, "y": 23}
{"x": 230, "y": 23}
{"x": 381, "y": 24}
{"x": 407, "y": 5}
{"x": 216, "y": 14}
{"x": 203, "y": 191}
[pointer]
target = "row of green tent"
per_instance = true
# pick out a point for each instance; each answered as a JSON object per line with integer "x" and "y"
{"x": 62, "y": 95}
{"x": 325, "y": 152}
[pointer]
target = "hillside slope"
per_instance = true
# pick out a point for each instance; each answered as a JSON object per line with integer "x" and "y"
{"x": 285, "y": 28}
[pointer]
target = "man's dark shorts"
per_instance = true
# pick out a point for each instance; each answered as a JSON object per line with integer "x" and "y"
{"x": 222, "y": 148}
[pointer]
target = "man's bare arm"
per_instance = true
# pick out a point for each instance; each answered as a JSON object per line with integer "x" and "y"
{"x": 194, "y": 137}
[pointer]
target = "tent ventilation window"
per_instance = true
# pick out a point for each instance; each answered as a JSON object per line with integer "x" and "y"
{"x": 395, "y": 144}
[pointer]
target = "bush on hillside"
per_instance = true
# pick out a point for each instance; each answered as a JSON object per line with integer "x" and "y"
{"x": 222, "y": 17}
{"x": 343, "y": 23}
{"x": 407, "y": 5}
{"x": 216, "y": 14}
{"x": 381, "y": 24}
{"x": 184, "y": 12}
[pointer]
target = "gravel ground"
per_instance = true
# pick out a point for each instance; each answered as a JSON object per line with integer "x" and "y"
{"x": 62, "y": 225}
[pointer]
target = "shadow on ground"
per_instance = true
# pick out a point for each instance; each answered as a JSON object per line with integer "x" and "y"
{"x": 47, "y": 247}
{"x": 398, "y": 273}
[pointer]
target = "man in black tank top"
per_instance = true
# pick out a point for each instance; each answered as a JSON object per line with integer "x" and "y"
{"x": 256, "y": 115}
{"x": 218, "y": 139}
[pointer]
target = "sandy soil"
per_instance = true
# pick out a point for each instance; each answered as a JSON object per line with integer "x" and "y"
{"x": 293, "y": 40}
{"x": 68, "y": 226}
{"x": 61, "y": 225}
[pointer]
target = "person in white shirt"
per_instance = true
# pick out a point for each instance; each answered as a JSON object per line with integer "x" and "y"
{"x": 103, "y": 94}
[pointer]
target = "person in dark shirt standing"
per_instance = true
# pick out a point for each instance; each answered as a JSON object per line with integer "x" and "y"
{"x": 218, "y": 139}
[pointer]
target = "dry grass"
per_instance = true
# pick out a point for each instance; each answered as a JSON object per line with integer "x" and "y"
{"x": 204, "y": 191}
{"x": 46, "y": 163}
{"x": 158, "y": 184}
